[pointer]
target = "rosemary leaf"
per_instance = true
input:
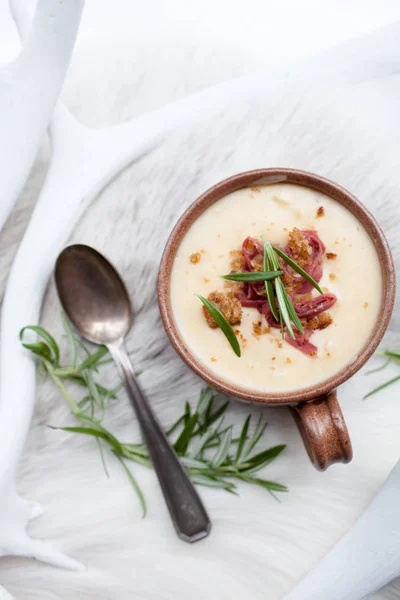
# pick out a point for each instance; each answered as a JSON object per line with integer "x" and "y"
{"x": 192, "y": 463}
{"x": 252, "y": 276}
{"x": 263, "y": 457}
{"x": 381, "y": 368}
{"x": 204, "y": 443}
{"x": 268, "y": 284}
{"x": 45, "y": 335}
{"x": 215, "y": 415}
{"x": 297, "y": 268}
{"x": 183, "y": 440}
{"x": 243, "y": 438}
{"x": 217, "y": 483}
{"x": 268, "y": 485}
{"x": 283, "y": 309}
{"x": 391, "y": 353}
{"x": 93, "y": 359}
{"x": 292, "y": 313}
{"x": 257, "y": 435}
{"x": 103, "y": 460}
{"x": 222, "y": 452}
{"x": 383, "y": 386}
{"x": 201, "y": 442}
{"x": 134, "y": 484}
{"x": 40, "y": 349}
{"x": 98, "y": 433}
{"x": 223, "y": 324}
{"x": 175, "y": 425}
{"x": 206, "y": 397}
{"x": 71, "y": 339}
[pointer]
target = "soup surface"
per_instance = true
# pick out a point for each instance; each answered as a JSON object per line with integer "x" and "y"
{"x": 267, "y": 363}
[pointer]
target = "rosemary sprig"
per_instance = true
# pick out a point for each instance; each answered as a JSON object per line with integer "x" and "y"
{"x": 287, "y": 312}
{"x": 223, "y": 324}
{"x": 269, "y": 287}
{"x": 210, "y": 450}
{"x": 391, "y": 355}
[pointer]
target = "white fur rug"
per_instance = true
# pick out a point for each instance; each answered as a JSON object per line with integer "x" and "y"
{"x": 340, "y": 120}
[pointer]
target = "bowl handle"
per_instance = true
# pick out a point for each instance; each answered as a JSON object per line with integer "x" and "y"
{"x": 324, "y": 431}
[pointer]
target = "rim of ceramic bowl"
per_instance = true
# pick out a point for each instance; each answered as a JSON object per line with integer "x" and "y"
{"x": 265, "y": 177}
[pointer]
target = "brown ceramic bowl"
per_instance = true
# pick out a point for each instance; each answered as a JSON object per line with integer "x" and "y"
{"x": 315, "y": 409}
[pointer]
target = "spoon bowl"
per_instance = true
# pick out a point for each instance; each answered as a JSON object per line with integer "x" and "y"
{"x": 93, "y": 295}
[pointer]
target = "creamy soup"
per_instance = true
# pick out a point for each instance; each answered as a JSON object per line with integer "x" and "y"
{"x": 267, "y": 363}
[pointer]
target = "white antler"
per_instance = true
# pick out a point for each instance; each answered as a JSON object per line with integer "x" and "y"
{"x": 29, "y": 88}
{"x": 366, "y": 558}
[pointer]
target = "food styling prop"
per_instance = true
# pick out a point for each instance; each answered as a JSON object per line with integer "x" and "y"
{"x": 366, "y": 558}
{"x": 35, "y": 77}
{"x": 96, "y": 302}
{"x": 315, "y": 409}
{"x": 207, "y": 448}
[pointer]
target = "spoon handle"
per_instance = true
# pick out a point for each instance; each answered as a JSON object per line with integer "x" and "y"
{"x": 188, "y": 514}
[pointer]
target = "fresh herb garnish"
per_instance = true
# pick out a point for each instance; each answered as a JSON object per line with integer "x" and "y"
{"x": 391, "y": 355}
{"x": 209, "y": 450}
{"x": 287, "y": 312}
{"x": 297, "y": 268}
{"x": 223, "y": 324}
{"x": 252, "y": 276}
{"x": 269, "y": 287}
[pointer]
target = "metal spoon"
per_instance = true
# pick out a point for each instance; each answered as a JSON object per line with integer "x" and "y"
{"x": 96, "y": 301}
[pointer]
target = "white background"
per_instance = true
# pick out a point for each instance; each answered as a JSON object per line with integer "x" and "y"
{"x": 283, "y": 28}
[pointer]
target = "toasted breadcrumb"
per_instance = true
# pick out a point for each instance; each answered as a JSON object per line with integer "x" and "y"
{"x": 365, "y": 305}
{"x": 229, "y": 306}
{"x": 288, "y": 360}
{"x": 195, "y": 257}
{"x": 206, "y": 280}
{"x": 259, "y": 330}
{"x": 237, "y": 260}
{"x": 300, "y": 248}
{"x": 255, "y": 188}
{"x": 213, "y": 359}
{"x": 320, "y": 321}
{"x": 331, "y": 255}
{"x": 332, "y": 276}
{"x": 234, "y": 287}
{"x": 303, "y": 297}
{"x": 258, "y": 263}
{"x": 320, "y": 212}
{"x": 257, "y": 327}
